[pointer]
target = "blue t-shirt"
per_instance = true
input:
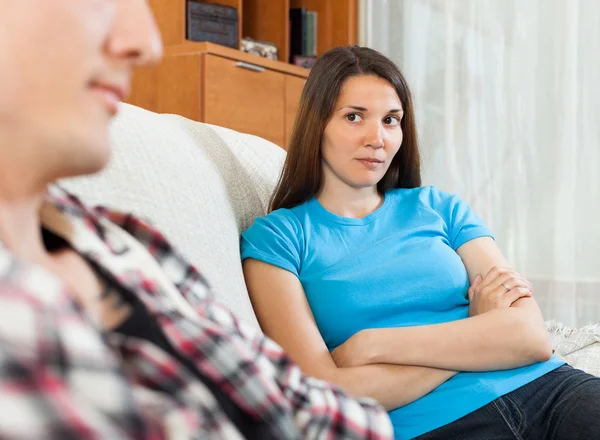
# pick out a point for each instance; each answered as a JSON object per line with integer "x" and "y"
{"x": 396, "y": 267}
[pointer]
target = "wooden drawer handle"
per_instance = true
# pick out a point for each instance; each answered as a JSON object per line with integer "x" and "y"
{"x": 249, "y": 66}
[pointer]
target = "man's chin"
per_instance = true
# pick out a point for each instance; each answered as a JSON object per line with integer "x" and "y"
{"x": 96, "y": 165}
{"x": 88, "y": 160}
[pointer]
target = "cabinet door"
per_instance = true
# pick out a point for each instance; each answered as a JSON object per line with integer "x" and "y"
{"x": 293, "y": 91}
{"x": 173, "y": 86}
{"x": 243, "y": 97}
{"x": 179, "y": 86}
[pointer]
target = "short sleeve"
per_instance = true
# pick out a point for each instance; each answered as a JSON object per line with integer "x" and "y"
{"x": 275, "y": 239}
{"x": 462, "y": 222}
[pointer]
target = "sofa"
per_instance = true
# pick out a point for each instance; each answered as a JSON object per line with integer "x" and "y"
{"x": 202, "y": 185}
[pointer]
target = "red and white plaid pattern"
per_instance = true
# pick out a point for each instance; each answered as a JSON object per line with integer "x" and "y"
{"x": 63, "y": 377}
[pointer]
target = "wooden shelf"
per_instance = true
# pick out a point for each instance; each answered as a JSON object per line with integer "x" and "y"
{"x": 220, "y": 85}
{"x": 337, "y": 22}
{"x": 190, "y": 47}
{"x": 268, "y": 20}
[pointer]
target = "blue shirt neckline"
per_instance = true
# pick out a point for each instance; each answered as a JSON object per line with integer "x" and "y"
{"x": 316, "y": 209}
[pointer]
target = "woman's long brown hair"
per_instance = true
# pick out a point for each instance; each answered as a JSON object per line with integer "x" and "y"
{"x": 302, "y": 174}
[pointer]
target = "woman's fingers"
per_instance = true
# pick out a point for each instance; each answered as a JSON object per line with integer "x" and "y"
{"x": 492, "y": 274}
{"x": 516, "y": 294}
{"x": 506, "y": 278}
{"x": 476, "y": 283}
{"x": 510, "y": 281}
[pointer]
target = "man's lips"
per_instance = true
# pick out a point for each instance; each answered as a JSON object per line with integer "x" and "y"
{"x": 110, "y": 95}
{"x": 118, "y": 90}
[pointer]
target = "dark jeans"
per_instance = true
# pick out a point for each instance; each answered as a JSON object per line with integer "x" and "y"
{"x": 561, "y": 405}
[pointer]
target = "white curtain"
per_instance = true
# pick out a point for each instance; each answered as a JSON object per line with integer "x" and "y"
{"x": 507, "y": 97}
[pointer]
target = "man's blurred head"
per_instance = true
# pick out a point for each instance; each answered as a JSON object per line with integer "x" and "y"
{"x": 64, "y": 66}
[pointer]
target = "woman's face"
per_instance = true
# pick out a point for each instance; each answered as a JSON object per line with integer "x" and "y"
{"x": 64, "y": 66}
{"x": 363, "y": 134}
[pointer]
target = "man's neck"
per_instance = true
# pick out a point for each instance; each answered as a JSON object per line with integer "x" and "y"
{"x": 20, "y": 227}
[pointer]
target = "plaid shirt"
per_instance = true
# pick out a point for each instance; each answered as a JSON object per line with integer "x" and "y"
{"x": 63, "y": 377}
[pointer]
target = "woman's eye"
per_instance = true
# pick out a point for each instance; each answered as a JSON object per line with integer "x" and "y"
{"x": 354, "y": 117}
{"x": 391, "y": 120}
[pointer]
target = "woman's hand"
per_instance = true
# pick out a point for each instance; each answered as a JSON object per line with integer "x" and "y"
{"x": 353, "y": 352}
{"x": 499, "y": 289}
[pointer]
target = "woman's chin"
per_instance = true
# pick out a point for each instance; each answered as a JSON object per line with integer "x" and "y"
{"x": 367, "y": 181}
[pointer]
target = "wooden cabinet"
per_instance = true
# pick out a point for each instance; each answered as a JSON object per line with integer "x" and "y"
{"x": 219, "y": 85}
{"x": 243, "y": 96}
{"x": 179, "y": 86}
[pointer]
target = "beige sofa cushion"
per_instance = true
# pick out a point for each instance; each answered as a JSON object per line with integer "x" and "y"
{"x": 199, "y": 184}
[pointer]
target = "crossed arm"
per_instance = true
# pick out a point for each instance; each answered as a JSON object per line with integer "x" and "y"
{"x": 505, "y": 328}
{"x": 399, "y": 365}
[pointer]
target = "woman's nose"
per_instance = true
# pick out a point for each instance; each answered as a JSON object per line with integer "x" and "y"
{"x": 374, "y": 138}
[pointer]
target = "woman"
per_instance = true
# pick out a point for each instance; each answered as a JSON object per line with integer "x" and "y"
{"x": 398, "y": 291}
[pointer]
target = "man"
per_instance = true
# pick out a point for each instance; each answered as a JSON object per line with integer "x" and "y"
{"x": 105, "y": 332}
